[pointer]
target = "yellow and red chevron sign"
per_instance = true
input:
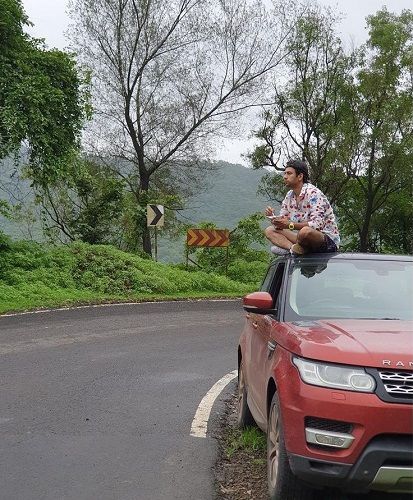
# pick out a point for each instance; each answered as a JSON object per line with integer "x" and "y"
{"x": 207, "y": 237}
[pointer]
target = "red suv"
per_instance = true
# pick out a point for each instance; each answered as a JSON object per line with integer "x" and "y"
{"x": 325, "y": 368}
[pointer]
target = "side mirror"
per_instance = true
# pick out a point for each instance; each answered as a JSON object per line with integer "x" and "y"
{"x": 259, "y": 303}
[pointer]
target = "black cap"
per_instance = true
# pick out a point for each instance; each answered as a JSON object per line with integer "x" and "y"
{"x": 299, "y": 166}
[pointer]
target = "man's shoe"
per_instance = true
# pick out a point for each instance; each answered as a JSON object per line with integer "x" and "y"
{"x": 279, "y": 250}
{"x": 297, "y": 249}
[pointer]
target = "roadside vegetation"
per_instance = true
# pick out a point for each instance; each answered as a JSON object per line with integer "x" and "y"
{"x": 250, "y": 439}
{"x": 34, "y": 276}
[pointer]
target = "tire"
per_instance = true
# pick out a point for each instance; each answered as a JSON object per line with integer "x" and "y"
{"x": 282, "y": 484}
{"x": 244, "y": 416}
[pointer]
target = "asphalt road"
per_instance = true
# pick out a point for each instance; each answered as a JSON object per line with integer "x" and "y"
{"x": 97, "y": 403}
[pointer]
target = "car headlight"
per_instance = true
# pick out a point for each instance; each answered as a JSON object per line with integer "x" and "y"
{"x": 349, "y": 378}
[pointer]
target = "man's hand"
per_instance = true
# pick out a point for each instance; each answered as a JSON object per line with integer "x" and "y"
{"x": 280, "y": 222}
{"x": 277, "y": 222}
{"x": 269, "y": 211}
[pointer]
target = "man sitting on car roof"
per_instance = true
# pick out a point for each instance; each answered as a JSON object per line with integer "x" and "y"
{"x": 306, "y": 222}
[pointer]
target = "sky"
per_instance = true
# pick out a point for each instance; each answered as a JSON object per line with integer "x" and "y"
{"x": 51, "y": 21}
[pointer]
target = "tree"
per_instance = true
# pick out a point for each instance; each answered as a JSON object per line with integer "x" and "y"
{"x": 167, "y": 77}
{"x": 351, "y": 118}
{"x": 390, "y": 228}
{"x": 42, "y": 102}
{"x": 86, "y": 205}
{"x": 382, "y": 117}
{"x": 309, "y": 117}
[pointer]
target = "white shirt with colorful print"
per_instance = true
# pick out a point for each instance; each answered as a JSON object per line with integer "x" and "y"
{"x": 313, "y": 207}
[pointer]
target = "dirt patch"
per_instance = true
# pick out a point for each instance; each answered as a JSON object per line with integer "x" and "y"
{"x": 239, "y": 474}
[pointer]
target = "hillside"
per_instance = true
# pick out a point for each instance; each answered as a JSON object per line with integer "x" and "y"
{"x": 230, "y": 195}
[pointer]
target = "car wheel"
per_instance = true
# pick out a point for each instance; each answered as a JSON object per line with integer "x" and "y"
{"x": 244, "y": 416}
{"x": 282, "y": 484}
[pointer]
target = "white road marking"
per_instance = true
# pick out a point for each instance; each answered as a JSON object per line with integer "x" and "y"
{"x": 200, "y": 421}
{"x": 111, "y": 304}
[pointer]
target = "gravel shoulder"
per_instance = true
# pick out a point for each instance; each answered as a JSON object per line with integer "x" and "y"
{"x": 240, "y": 475}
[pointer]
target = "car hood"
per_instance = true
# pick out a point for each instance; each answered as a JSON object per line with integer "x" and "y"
{"x": 374, "y": 343}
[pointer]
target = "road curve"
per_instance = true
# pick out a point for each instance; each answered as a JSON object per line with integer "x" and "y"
{"x": 97, "y": 403}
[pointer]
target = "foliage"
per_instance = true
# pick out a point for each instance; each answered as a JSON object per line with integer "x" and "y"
{"x": 246, "y": 262}
{"x": 4, "y": 208}
{"x": 169, "y": 75}
{"x": 86, "y": 205}
{"x": 382, "y": 127}
{"x": 351, "y": 118}
{"x": 41, "y": 98}
{"x": 391, "y": 228}
{"x": 33, "y": 275}
{"x": 249, "y": 439}
{"x": 4, "y": 242}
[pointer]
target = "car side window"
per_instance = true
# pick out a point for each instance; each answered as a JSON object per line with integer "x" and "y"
{"x": 273, "y": 281}
{"x": 277, "y": 283}
{"x": 267, "y": 282}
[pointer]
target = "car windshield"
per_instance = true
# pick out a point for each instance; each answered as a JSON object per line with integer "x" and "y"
{"x": 336, "y": 288}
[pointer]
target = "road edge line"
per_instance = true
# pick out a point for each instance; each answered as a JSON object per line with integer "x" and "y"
{"x": 200, "y": 422}
{"x": 114, "y": 304}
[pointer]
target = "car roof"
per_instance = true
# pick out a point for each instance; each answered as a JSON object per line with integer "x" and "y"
{"x": 346, "y": 256}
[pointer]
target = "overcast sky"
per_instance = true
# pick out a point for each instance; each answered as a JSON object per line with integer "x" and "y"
{"x": 50, "y": 22}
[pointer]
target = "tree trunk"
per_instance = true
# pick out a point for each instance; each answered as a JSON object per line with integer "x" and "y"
{"x": 364, "y": 234}
{"x": 144, "y": 188}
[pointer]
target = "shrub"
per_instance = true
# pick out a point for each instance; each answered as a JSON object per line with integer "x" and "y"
{"x": 34, "y": 275}
{"x": 247, "y": 272}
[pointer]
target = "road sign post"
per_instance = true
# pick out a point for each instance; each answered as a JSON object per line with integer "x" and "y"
{"x": 155, "y": 218}
{"x": 212, "y": 238}
{"x": 156, "y": 244}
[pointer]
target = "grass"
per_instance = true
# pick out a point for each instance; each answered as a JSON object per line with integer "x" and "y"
{"x": 34, "y": 276}
{"x": 249, "y": 439}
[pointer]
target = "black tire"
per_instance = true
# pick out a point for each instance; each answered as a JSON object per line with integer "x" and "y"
{"x": 244, "y": 416}
{"x": 282, "y": 484}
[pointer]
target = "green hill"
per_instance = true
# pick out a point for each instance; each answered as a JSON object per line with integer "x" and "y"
{"x": 231, "y": 196}
{"x": 228, "y": 194}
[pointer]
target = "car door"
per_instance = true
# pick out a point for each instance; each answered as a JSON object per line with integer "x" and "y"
{"x": 260, "y": 349}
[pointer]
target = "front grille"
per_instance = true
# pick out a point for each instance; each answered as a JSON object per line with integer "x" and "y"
{"x": 328, "y": 425}
{"x": 397, "y": 383}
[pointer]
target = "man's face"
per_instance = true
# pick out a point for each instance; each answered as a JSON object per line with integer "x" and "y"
{"x": 291, "y": 179}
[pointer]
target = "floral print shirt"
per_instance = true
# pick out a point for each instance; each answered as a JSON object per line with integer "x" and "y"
{"x": 313, "y": 207}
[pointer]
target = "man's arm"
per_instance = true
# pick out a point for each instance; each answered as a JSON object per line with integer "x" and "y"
{"x": 284, "y": 212}
{"x": 286, "y": 223}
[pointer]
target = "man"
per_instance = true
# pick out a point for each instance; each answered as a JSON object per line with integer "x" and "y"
{"x": 306, "y": 222}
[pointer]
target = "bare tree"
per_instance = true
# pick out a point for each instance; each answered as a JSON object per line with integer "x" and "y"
{"x": 168, "y": 76}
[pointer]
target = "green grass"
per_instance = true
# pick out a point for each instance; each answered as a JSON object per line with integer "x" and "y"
{"x": 249, "y": 439}
{"x": 34, "y": 276}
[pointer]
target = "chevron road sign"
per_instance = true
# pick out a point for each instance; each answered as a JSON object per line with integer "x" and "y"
{"x": 154, "y": 215}
{"x": 207, "y": 237}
